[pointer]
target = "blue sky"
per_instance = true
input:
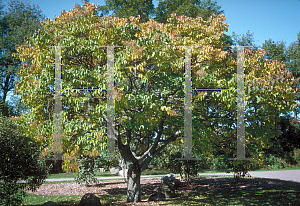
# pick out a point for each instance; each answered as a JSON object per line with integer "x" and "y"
{"x": 275, "y": 19}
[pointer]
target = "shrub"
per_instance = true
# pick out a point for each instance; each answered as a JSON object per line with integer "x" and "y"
{"x": 20, "y": 160}
{"x": 188, "y": 168}
{"x": 274, "y": 162}
{"x": 296, "y": 156}
{"x": 220, "y": 162}
{"x": 241, "y": 168}
{"x": 86, "y": 170}
{"x": 88, "y": 166}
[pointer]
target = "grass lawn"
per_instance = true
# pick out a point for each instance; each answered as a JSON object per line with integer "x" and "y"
{"x": 103, "y": 174}
{"x": 155, "y": 172}
{"x": 67, "y": 200}
{"x": 283, "y": 195}
{"x": 286, "y": 194}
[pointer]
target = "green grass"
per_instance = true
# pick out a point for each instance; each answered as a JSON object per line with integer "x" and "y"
{"x": 99, "y": 174}
{"x": 73, "y": 175}
{"x": 67, "y": 200}
{"x": 157, "y": 172}
{"x": 279, "y": 196}
{"x": 240, "y": 197}
{"x": 102, "y": 174}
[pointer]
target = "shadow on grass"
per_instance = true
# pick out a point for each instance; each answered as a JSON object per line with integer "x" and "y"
{"x": 206, "y": 191}
{"x": 72, "y": 200}
{"x": 227, "y": 191}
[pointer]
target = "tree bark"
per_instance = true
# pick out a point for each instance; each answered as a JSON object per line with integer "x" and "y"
{"x": 133, "y": 182}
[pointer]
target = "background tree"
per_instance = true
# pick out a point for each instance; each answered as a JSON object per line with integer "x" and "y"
{"x": 293, "y": 54}
{"x": 275, "y": 50}
{"x": 17, "y": 22}
{"x": 192, "y": 8}
{"x": 244, "y": 40}
{"x": 125, "y": 9}
{"x": 149, "y": 85}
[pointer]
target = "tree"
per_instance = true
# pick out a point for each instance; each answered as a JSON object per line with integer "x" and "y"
{"x": 244, "y": 40}
{"x": 193, "y": 8}
{"x": 293, "y": 54}
{"x": 125, "y": 9}
{"x": 275, "y": 51}
{"x": 289, "y": 138}
{"x": 18, "y": 22}
{"x": 19, "y": 161}
{"x": 149, "y": 82}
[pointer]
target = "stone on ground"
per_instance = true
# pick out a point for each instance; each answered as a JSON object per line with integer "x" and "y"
{"x": 168, "y": 178}
{"x": 90, "y": 199}
{"x": 157, "y": 196}
{"x": 169, "y": 185}
{"x": 168, "y": 190}
{"x": 49, "y": 203}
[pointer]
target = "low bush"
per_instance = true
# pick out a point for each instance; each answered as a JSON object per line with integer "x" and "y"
{"x": 241, "y": 168}
{"x": 272, "y": 161}
{"x": 296, "y": 156}
{"x": 20, "y": 160}
{"x": 220, "y": 162}
{"x": 88, "y": 166}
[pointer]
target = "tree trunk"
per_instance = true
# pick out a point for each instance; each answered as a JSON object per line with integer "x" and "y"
{"x": 133, "y": 182}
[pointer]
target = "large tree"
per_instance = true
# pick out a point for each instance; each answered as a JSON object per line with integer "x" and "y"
{"x": 149, "y": 80}
{"x": 17, "y": 23}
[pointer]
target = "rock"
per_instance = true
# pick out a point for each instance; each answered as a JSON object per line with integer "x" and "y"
{"x": 168, "y": 178}
{"x": 169, "y": 185}
{"x": 49, "y": 203}
{"x": 157, "y": 196}
{"x": 177, "y": 184}
{"x": 90, "y": 199}
{"x": 168, "y": 190}
{"x": 115, "y": 170}
{"x": 121, "y": 173}
{"x": 101, "y": 170}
